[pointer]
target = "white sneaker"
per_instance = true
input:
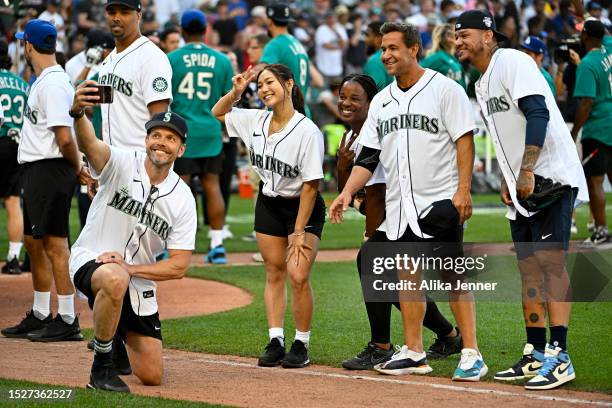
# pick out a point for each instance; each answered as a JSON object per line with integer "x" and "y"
{"x": 471, "y": 366}
{"x": 527, "y": 367}
{"x": 257, "y": 257}
{"x": 556, "y": 370}
{"x": 405, "y": 361}
{"x": 574, "y": 228}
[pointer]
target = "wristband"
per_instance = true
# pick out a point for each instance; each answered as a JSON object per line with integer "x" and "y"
{"x": 297, "y": 234}
{"x": 78, "y": 115}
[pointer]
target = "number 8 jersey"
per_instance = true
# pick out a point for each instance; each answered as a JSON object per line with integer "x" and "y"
{"x": 201, "y": 76}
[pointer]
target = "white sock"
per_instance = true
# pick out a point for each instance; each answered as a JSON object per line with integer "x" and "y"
{"x": 216, "y": 238}
{"x": 304, "y": 337}
{"x": 14, "y": 250}
{"x": 42, "y": 304}
{"x": 278, "y": 333}
{"x": 66, "y": 307}
{"x": 415, "y": 356}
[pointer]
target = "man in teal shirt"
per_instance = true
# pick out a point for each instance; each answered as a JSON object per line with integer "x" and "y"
{"x": 594, "y": 117}
{"x": 201, "y": 76}
{"x": 13, "y": 97}
{"x": 536, "y": 49}
{"x": 286, "y": 49}
{"x": 374, "y": 66}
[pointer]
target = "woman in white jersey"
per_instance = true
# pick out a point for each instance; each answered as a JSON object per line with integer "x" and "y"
{"x": 286, "y": 149}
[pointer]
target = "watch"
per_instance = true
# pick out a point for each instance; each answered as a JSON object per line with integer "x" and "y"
{"x": 78, "y": 115}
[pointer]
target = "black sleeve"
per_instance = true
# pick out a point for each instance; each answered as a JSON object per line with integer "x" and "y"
{"x": 537, "y": 116}
{"x": 368, "y": 158}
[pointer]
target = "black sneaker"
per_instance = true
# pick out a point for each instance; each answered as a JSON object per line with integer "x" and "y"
{"x": 105, "y": 377}
{"x": 29, "y": 324}
{"x": 58, "y": 330}
{"x": 121, "y": 362}
{"x": 90, "y": 345}
{"x": 446, "y": 346}
{"x": 25, "y": 265}
{"x": 368, "y": 358}
{"x": 297, "y": 357}
{"x": 274, "y": 354}
{"x": 12, "y": 267}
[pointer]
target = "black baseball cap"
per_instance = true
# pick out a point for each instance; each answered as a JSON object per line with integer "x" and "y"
{"x": 479, "y": 20}
{"x": 133, "y": 4}
{"x": 100, "y": 38}
{"x": 279, "y": 12}
{"x": 169, "y": 120}
{"x": 594, "y": 29}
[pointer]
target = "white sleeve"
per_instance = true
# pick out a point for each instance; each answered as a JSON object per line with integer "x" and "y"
{"x": 183, "y": 232}
{"x": 519, "y": 75}
{"x": 58, "y": 100}
{"x": 156, "y": 78}
{"x": 457, "y": 112}
{"x": 241, "y": 123}
{"x": 368, "y": 136}
{"x": 311, "y": 163}
{"x": 118, "y": 162}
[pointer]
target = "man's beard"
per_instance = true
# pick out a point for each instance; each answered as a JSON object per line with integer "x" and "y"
{"x": 28, "y": 61}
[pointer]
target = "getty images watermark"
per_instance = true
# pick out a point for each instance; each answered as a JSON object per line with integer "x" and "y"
{"x": 485, "y": 272}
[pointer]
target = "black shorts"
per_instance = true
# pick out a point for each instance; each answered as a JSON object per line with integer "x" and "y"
{"x": 601, "y": 163}
{"x": 548, "y": 229}
{"x": 10, "y": 170}
{"x": 48, "y": 186}
{"x": 149, "y": 326}
{"x": 276, "y": 215}
{"x": 200, "y": 165}
{"x": 451, "y": 237}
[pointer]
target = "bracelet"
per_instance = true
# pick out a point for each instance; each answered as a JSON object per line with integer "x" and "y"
{"x": 77, "y": 115}
{"x": 297, "y": 234}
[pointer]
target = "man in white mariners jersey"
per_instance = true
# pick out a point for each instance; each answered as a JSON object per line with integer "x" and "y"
{"x": 51, "y": 164}
{"x": 141, "y": 208}
{"x": 532, "y": 141}
{"x": 420, "y": 129}
{"x": 140, "y": 75}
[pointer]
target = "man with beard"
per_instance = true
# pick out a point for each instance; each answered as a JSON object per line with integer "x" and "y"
{"x": 374, "y": 66}
{"x": 533, "y": 143}
{"x": 51, "y": 165}
{"x": 141, "y": 208}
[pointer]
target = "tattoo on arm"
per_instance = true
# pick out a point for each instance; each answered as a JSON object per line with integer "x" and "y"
{"x": 530, "y": 157}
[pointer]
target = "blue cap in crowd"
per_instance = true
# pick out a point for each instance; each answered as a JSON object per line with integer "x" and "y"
{"x": 193, "y": 20}
{"x": 39, "y": 33}
{"x": 533, "y": 43}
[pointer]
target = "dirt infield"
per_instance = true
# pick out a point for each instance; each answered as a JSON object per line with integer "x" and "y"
{"x": 238, "y": 381}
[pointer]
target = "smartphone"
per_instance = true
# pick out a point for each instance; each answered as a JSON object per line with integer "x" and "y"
{"x": 104, "y": 92}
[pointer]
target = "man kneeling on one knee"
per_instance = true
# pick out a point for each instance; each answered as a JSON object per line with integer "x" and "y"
{"x": 141, "y": 209}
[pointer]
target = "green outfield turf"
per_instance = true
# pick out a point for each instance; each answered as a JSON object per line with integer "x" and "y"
{"x": 86, "y": 398}
{"x": 340, "y": 327}
{"x": 488, "y": 224}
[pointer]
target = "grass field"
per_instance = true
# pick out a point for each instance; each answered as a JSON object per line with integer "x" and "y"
{"x": 87, "y": 398}
{"x": 488, "y": 224}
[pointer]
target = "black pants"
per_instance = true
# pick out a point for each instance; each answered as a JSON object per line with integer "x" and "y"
{"x": 230, "y": 151}
{"x": 379, "y": 314}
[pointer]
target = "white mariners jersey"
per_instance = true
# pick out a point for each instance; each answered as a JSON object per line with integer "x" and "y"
{"x": 416, "y": 133}
{"x": 283, "y": 160}
{"x": 49, "y": 100}
{"x": 138, "y": 220}
{"x": 139, "y": 75}
{"x": 510, "y": 76}
{"x": 378, "y": 177}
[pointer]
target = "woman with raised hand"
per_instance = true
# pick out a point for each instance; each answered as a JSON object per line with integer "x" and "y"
{"x": 286, "y": 149}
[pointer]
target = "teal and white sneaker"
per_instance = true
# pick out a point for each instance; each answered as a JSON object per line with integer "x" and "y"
{"x": 556, "y": 370}
{"x": 527, "y": 367}
{"x": 217, "y": 256}
{"x": 471, "y": 366}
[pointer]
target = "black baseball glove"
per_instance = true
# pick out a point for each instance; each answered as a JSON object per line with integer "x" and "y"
{"x": 545, "y": 192}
